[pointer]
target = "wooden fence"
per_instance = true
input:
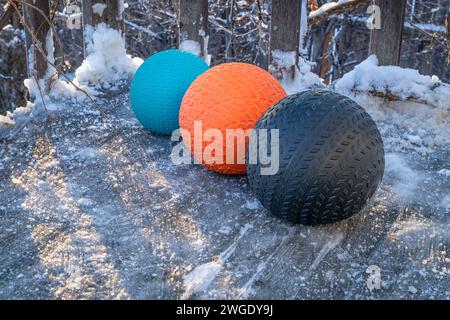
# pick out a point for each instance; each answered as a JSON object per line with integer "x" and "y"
{"x": 192, "y": 22}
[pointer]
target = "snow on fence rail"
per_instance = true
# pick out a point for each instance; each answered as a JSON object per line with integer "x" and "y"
{"x": 193, "y": 27}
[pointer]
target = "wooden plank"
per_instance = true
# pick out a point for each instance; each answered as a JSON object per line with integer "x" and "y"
{"x": 193, "y": 22}
{"x": 284, "y": 35}
{"x": 33, "y": 16}
{"x": 385, "y": 43}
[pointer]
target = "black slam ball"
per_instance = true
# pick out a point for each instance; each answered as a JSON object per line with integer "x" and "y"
{"x": 331, "y": 158}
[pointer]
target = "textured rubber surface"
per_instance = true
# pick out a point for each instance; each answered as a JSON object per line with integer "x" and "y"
{"x": 158, "y": 87}
{"x": 331, "y": 159}
{"x": 229, "y": 96}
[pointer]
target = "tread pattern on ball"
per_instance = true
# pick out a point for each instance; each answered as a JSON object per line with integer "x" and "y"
{"x": 159, "y": 85}
{"x": 229, "y": 96}
{"x": 331, "y": 158}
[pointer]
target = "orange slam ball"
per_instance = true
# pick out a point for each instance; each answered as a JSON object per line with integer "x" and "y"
{"x": 229, "y": 96}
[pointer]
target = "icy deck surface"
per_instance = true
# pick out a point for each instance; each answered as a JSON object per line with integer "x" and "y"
{"x": 93, "y": 207}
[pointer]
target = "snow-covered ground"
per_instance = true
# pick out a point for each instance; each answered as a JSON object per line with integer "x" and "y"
{"x": 92, "y": 207}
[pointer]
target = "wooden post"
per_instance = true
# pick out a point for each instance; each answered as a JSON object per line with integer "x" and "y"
{"x": 36, "y": 61}
{"x": 95, "y": 12}
{"x": 447, "y": 25}
{"x": 106, "y": 11}
{"x": 284, "y": 37}
{"x": 385, "y": 43}
{"x": 7, "y": 15}
{"x": 193, "y": 23}
{"x": 72, "y": 46}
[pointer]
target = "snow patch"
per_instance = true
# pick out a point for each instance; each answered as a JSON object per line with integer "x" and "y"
{"x": 206, "y": 56}
{"x": 284, "y": 59}
{"x": 412, "y": 289}
{"x": 420, "y": 124}
{"x": 85, "y": 202}
{"x": 444, "y": 172}
{"x": 49, "y": 47}
{"x": 445, "y": 202}
{"x": 426, "y": 27}
{"x": 122, "y": 6}
{"x": 54, "y": 106}
{"x": 418, "y": 229}
{"x": 85, "y": 153}
{"x": 252, "y": 205}
{"x": 191, "y": 46}
{"x": 329, "y": 245}
{"x": 326, "y": 7}
{"x": 303, "y": 24}
{"x": 7, "y": 120}
{"x": 225, "y": 230}
{"x": 36, "y": 88}
{"x": 247, "y": 289}
{"x": 143, "y": 29}
{"x": 106, "y": 64}
{"x": 304, "y": 78}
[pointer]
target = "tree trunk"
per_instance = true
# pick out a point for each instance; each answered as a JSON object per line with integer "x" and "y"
{"x": 284, "y": 36}
{"x": 385, "y": 43}
{"x": 36, "y": 61}
{"x": 193, "y": 23}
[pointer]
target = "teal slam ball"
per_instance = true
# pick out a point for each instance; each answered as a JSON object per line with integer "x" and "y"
{"x": 159, "y": 85}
